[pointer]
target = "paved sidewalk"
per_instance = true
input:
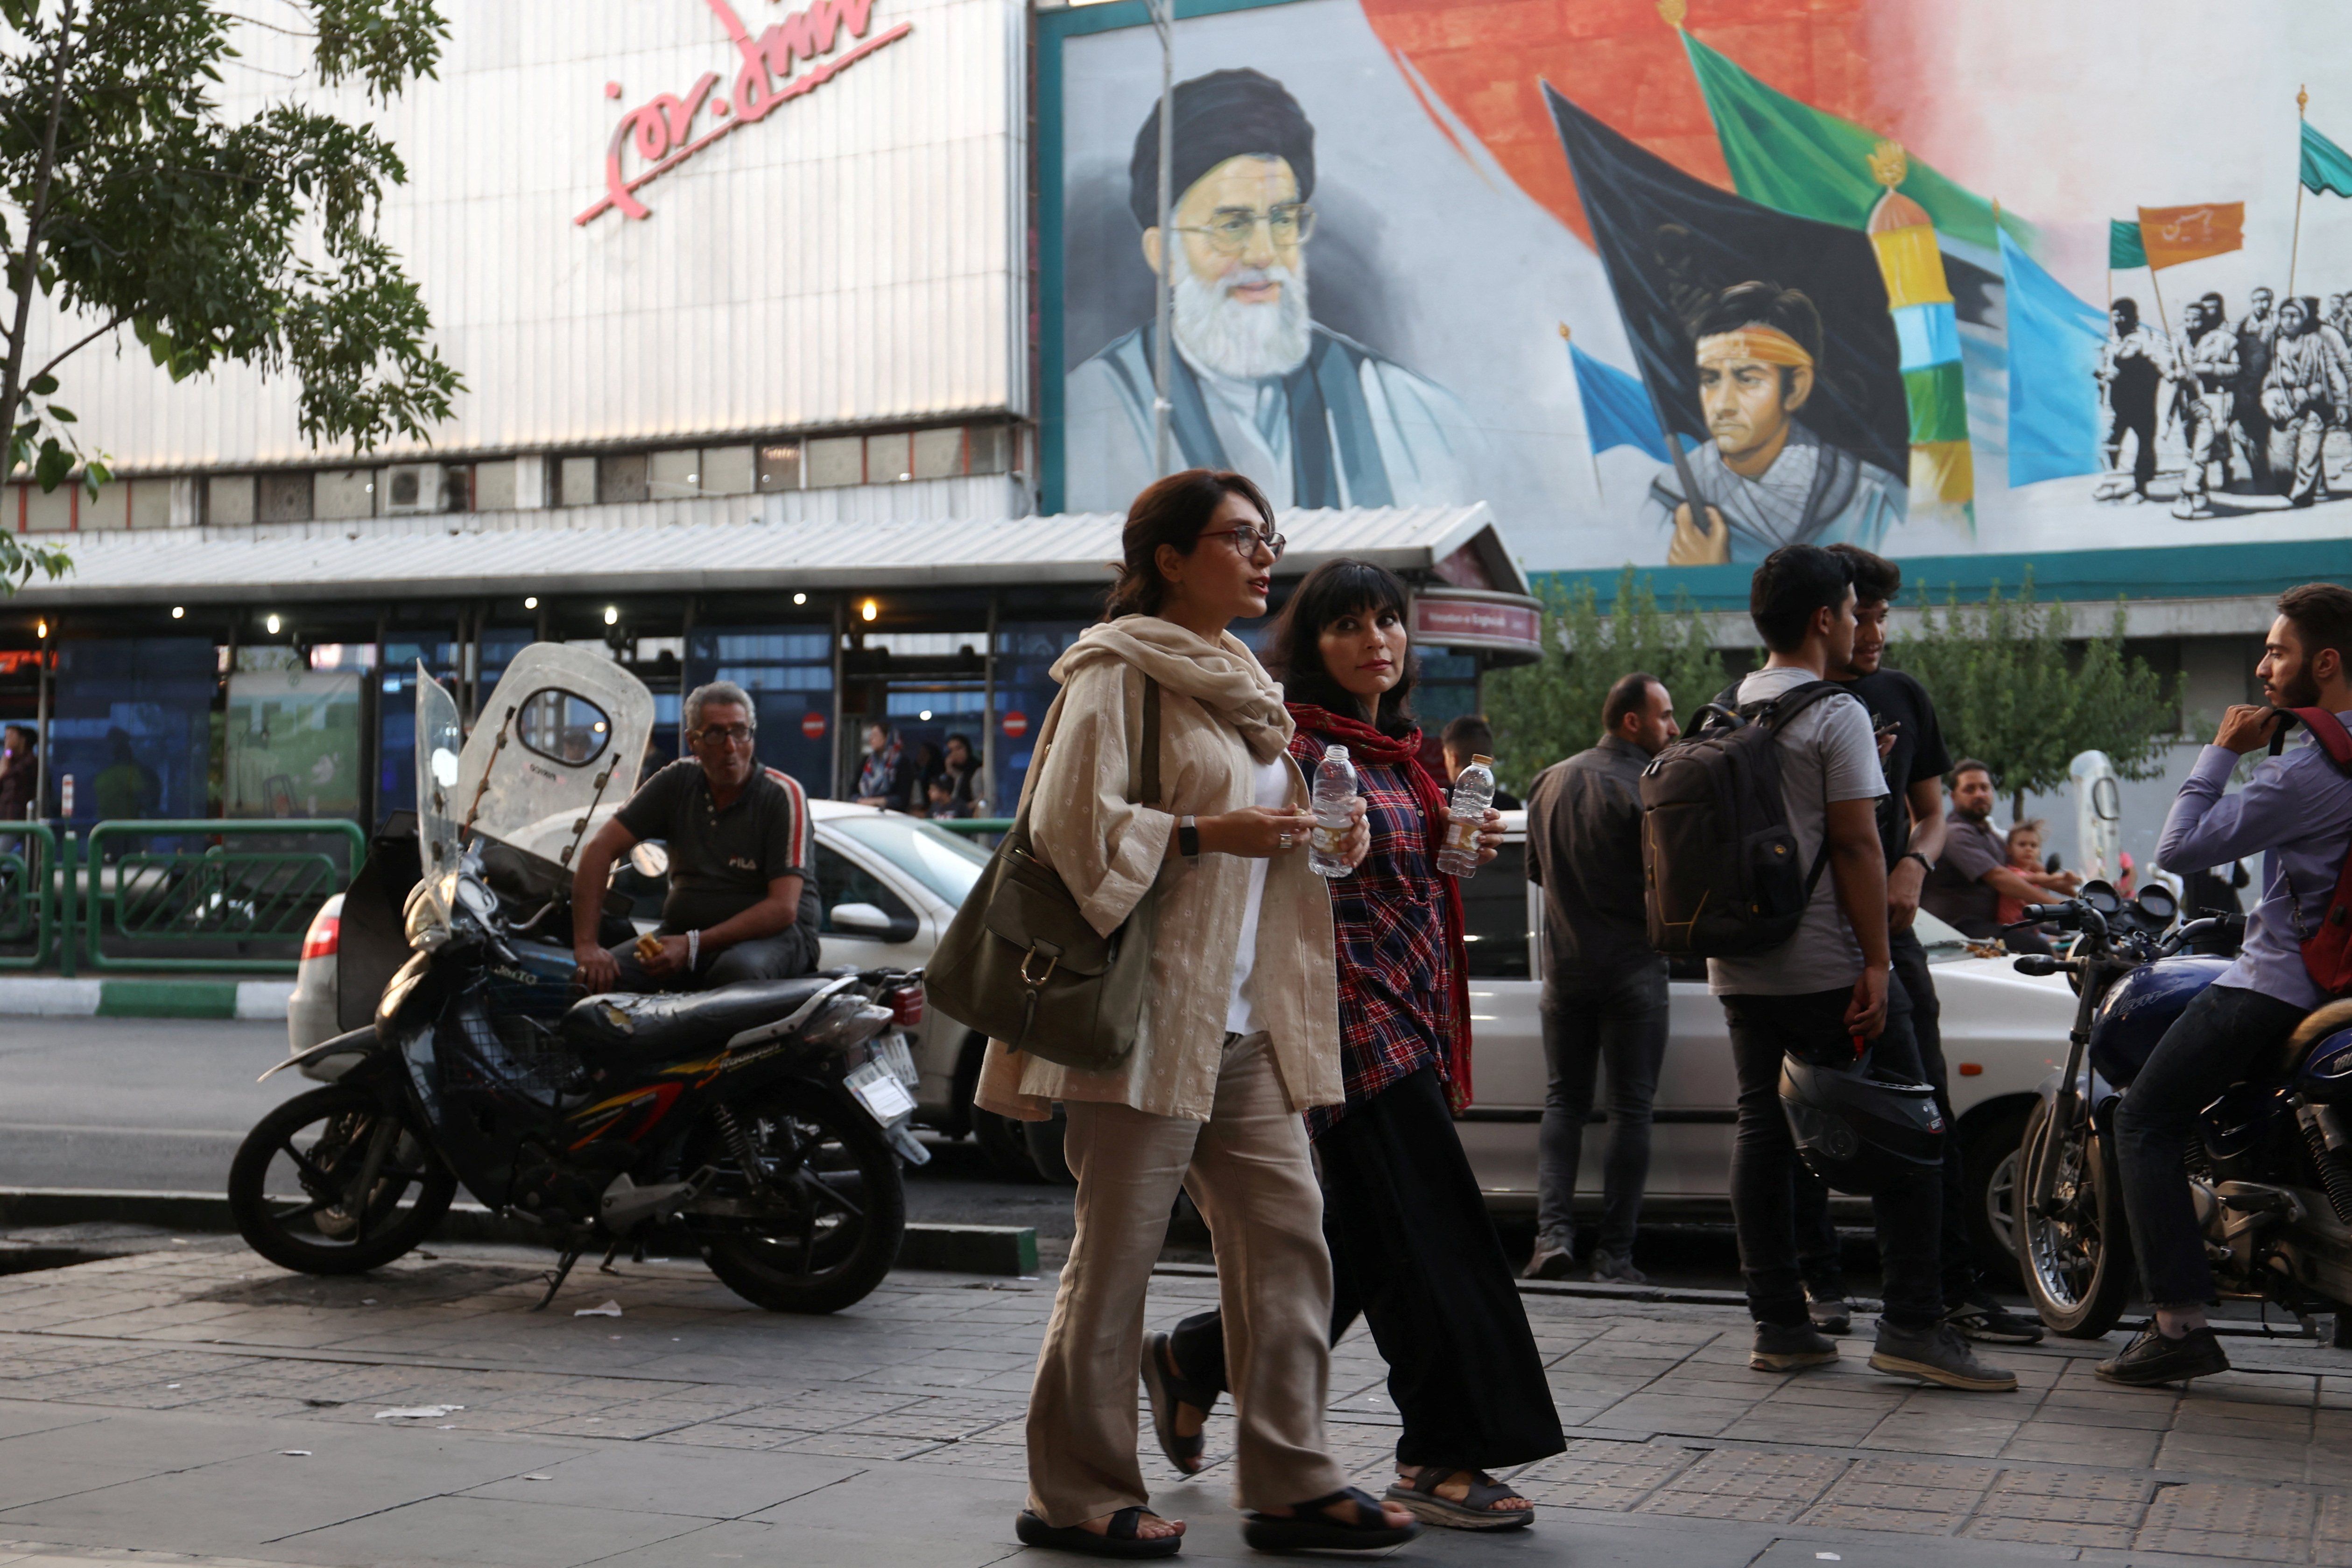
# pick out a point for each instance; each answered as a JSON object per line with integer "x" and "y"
{"x": 196, "y": 1401}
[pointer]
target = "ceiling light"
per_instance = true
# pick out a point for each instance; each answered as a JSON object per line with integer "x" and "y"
{"x": 272, "y": 624}
{"x": 532, "y": 603}
{"x": 925, "y": 716}
{"x": 41, "y": 629}
{"x": 179, "y": 611}
{"x": 800, "y": 599}
{"x": 612, "y": 615}
{"x": 869, "y": 610}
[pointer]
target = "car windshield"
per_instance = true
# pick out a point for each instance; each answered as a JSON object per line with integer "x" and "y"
{"x": 1935, "y": 936}
{"x": 943, "y": 862}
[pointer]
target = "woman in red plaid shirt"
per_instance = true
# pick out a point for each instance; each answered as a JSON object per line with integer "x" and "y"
{"x": 1411, "y": 1246}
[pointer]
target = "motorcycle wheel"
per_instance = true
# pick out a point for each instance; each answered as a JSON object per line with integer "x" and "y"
{"x": 316, "y": 1146}
{"x": 2077, "y": 1262}
{"x": 844, "y": 1179}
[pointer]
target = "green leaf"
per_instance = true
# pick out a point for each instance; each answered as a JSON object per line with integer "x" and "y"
{"x": 42, "y": 386}
{"x": 50, "y": 470}
{"x": 62, "y": 415}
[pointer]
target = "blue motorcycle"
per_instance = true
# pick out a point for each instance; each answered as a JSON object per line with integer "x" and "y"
{"x": 2271, "y": 1175}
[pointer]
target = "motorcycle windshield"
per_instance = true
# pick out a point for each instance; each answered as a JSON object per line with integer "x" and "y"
{"x": 562, "y": 734}
{"x": 439, "y": 743}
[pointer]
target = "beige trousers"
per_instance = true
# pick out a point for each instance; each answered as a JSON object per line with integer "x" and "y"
{"x": 1248, "y": 1170}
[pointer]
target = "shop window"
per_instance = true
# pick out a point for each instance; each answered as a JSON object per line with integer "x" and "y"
{"x": 836, "y": 460}
{"x": 343, "y": 493}
{"x": 991, "y": 448}
{"x": 939, "y": 453}
{"x": 292, "y": 744}
{"x": 150, "y": 503}
{"x": 726, "y": 470}
{"x": 576, "y": 485}
{"x": 133, "y": 724}
{"x": 889, "y": 458}
{"x": 780, "y": 467}
{"x": 672, "y": 474}
{"x": 228, "y": 498}
{"x": 494, "y": 486}
{"x": 621, "y": 478}
{"x": 283, "y": 498}
{"x": 48, "y": 511}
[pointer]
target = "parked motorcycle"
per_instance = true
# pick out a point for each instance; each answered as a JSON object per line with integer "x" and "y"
{"x": 2272, "y": 1172}
{"x": 767, "y": 1119}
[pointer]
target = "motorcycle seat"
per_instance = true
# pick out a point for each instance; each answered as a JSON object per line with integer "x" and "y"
{"x": 636, "y": 1027}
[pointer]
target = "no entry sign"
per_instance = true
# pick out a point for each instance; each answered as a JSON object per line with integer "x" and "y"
{"x": 1016, "y": 724}
{"x": 813, "y": 725}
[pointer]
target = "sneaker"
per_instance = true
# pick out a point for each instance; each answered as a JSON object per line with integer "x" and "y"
{"x": 1608, "y": 1269}
{"x": 1937, "y": 1355}
{"x": 1982, "y": 1318}
{"x": 2152, "y": 1358}
{"x": 1550, "y": 1262}
{"x": 1786, "y": 1347}
{"x": 1832, "y": 1317}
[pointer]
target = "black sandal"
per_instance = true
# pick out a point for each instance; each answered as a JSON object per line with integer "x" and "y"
{"x": 1476, "y": 1510}
{"x": 1119, "y": 1539}
{"x": 1307, "y": 1528}
{"x": 1166, "y": 1390}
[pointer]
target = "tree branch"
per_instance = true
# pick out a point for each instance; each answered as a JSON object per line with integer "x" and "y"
{"x": 63, "y": 355}
{"x": 12, "y": 381}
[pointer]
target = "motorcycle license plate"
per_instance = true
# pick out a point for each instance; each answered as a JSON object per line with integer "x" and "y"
{"x": 894, "y": 1053}
{"x": 878, "y": 1090}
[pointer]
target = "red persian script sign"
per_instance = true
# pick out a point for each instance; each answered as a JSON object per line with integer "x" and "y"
{"x": 662, "y": 130}
{"x": 1475, "y": 622}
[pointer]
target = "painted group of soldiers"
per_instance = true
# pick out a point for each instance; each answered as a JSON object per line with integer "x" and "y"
{"x": 2259, "y": 395}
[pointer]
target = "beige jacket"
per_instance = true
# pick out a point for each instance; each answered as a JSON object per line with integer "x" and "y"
{"x": 1220, "y": 714}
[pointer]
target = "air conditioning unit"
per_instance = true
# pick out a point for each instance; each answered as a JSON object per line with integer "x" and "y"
{"x": 413, "y": 487}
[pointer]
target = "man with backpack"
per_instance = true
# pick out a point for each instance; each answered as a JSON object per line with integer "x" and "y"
{"x": 2295, "y": 812}
{"x": 1803, "y": 777}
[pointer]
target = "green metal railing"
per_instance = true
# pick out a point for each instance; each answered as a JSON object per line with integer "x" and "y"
{"x": 29, "y": 902}
{"x": 221, "y": 897}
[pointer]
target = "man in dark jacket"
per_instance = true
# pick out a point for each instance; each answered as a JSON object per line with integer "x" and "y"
{"x": 1605, "y": 997}
{"x": 19, "y": 771}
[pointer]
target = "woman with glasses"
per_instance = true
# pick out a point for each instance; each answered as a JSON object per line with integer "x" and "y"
{"x": 1239, "y": 1036}
{"x": 1411, "y": 1246}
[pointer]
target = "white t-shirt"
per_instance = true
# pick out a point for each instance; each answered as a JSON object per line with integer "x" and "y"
{"x": 1271, "y": 787}
{"x": 1827, "y": 754}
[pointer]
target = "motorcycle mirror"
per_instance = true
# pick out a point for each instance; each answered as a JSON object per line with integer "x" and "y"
{"x": 649, "y": 858}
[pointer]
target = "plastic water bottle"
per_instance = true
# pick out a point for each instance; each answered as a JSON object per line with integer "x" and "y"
{"x": 1335, "y": 795}
{"x": 1473, "y": 792}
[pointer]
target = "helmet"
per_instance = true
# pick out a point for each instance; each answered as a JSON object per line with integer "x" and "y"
{"x": 1857, "y": 1132}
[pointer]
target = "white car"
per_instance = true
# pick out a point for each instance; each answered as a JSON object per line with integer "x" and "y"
{"x": 889, "y": 885}
{"x": 2003, "y": 1033}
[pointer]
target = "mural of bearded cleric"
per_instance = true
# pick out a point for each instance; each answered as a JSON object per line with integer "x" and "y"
{"x": 1255, "y": 384}
{"x": 1764, "y": 479}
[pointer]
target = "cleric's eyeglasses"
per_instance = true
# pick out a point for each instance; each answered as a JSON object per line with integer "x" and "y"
{"x": 1229, "y": 228}
{"x": 1247, "y": 541}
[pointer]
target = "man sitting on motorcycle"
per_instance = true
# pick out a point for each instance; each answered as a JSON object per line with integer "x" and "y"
{"x": 2296, "y": 811}
{"x": 743, "y": 904}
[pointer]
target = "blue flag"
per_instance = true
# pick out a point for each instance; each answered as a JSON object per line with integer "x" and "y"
{"x": 2053, "y": 354}
{"x": 1616, "y": 410}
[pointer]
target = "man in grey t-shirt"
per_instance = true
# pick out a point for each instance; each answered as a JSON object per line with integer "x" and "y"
{"x": 1824, "y": 993}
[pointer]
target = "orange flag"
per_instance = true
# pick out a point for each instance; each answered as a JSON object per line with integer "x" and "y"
{"x": 2175, "y": 234}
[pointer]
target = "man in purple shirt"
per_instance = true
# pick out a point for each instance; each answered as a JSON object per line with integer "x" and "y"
{"x": 2297, "y": 812}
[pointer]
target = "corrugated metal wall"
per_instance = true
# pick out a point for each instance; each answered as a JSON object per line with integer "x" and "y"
{"x": 853, "y": 257}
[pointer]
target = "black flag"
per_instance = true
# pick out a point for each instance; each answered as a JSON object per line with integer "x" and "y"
{"x": 1673, "y": 244}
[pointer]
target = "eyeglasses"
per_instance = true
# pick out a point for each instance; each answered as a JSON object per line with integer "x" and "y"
{"x": 1247, "y": 541}
{"x": 732, "y": 735}
{"x": 1229, "y": 229}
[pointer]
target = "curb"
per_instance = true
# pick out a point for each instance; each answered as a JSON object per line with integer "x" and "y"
{"x": 1003, "y": 1249}
{"x": 47, "y": 997}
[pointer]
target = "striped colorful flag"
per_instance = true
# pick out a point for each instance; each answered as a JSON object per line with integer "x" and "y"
{"x": 1942, "y": 468}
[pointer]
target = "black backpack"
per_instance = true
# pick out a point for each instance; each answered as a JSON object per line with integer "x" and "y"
{"x": 1719, "y": 868}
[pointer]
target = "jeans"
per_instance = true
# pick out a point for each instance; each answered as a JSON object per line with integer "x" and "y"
{"x": 788, "y": 953}
{"x": 1620, "y": 1022}
{"x": 1764, "y": 1160}
{"x": 2224, "y": 1035}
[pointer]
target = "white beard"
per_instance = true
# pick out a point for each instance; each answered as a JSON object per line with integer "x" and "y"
{"x": 1233, "y": 337}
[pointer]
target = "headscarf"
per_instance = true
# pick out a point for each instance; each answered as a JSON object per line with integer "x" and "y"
{"x": 1404, "y": 754}
{"x": 1224, "y": 675}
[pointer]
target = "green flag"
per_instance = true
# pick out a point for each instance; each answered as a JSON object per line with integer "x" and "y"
{"x": 1784, "y": 153}
{"x": 2326, "y": 168}
{"x": 2124, "y": 246}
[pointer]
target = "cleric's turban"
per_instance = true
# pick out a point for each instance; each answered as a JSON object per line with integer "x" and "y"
{"x": 1226, "y": 114}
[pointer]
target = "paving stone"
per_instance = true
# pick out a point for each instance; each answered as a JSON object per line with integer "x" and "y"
{"x": 2048, "y": 1532}
{"x": 1909, "y": 1522}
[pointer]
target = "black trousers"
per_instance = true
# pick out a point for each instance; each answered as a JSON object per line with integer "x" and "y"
{"x": 1817, "y": 1242}
{"x": 1414, "y": 1253}
{"x": 1764, "y": 1160}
